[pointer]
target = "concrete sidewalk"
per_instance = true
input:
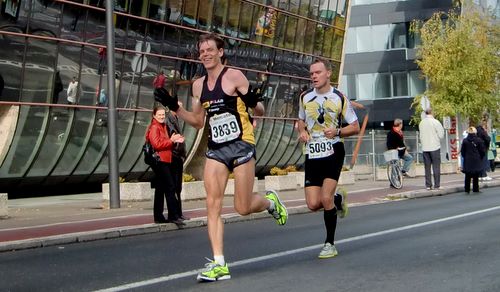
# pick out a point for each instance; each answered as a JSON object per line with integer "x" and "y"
{"x": 47, "y": 221}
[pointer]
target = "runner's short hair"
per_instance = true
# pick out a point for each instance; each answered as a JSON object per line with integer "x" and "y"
{"x": 397, "y": 122}
{"x": 325, "y": 62}
{"x": 219, "y": 42}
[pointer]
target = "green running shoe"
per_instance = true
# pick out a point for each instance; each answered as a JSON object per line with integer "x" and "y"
{"x": 279, "y": 213}
{"x": 328, "y": 251}
{"x": 344, "y": 208}
{"x": 214, "y": 272}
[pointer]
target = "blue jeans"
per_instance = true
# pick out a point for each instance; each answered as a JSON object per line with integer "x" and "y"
{"x": 408, "y": 159}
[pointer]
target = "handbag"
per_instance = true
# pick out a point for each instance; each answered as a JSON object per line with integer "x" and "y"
{"x": 151, "y": 157}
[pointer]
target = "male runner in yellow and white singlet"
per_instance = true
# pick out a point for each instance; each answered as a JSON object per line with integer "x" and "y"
{"x": 320, "y": 128}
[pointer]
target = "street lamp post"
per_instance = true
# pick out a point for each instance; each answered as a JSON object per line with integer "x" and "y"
{"x": 114, "y": 187}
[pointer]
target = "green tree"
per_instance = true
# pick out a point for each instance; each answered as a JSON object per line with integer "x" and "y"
{"x": 459, "y": 56}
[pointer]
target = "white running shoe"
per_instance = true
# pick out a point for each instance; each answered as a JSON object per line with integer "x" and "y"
{"x": 328, "y": 251}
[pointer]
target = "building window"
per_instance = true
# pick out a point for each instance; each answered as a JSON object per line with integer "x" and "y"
{"x": 399, "y": 84}
{"x": 398, "y": 35}
{"x": 364, "y": 39}
{"x": 348, "y": 86}
{"x": 350, "y": 46}
{"x": 382, "y": 85}
{"x": 417, "y": 83}
{"x": 365, "y": 86}
{"x": 388, "y": 36}
{"x": 367, "y": 2}
{"x": 381, "y": 41}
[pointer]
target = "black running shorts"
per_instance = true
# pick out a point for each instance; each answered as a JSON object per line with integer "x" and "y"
{"x": 233, "y": 154}
{"x": 316, "y": 170}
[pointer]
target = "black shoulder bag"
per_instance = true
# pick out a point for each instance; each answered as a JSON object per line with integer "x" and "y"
{"x": 151, "y": 157}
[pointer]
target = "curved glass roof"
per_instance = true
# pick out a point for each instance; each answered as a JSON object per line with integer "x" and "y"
{"x": 46, "y": 142}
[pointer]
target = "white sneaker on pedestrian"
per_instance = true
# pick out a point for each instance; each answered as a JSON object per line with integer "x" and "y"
{"x": 487, "y": 178}
{"x": 328, "y": 251}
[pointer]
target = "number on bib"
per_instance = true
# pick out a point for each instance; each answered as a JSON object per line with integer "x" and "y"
{"x": 224, "y": 128}
{"x": 320, "y": 148}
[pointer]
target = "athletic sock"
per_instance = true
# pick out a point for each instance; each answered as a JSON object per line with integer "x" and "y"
{"x": 330, "y": 218}
{"x": 219, "y": 259}
{"x": 337, "y": 201}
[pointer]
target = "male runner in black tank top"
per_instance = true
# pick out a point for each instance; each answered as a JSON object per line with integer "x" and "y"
{"x": 231, "y": 146}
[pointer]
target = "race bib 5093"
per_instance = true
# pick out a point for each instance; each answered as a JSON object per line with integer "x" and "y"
{"x": 319, "y": 148}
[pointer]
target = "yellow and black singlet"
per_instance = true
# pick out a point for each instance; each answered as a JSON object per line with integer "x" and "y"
{"x": 228, "y": 117}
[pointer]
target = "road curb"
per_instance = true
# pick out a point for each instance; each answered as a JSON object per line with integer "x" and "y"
{"x": 443, "y": 191}
{"x": 149, "y": 228}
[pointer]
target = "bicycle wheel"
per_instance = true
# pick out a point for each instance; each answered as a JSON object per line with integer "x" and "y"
{"x": 395, "y": 175}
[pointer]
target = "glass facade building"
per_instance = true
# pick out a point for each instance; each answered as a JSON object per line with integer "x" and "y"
{"x": 380, "y": 72}
{"x": 47, "y": 141}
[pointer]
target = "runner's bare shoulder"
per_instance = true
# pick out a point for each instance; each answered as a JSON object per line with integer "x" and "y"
{"x": 198, "y": 86}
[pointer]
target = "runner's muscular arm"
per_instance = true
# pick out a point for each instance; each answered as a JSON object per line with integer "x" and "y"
{"x": 196, "y": 117}
{"x": 241, "y": 84}
{"x": 349, "y": 130}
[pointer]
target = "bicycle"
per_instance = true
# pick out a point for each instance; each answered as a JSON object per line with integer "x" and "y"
{"x": 394, "y": 168}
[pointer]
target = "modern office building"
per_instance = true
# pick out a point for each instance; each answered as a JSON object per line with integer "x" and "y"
{"x": 379, "y": 66}
{"x": 48, "y": 144}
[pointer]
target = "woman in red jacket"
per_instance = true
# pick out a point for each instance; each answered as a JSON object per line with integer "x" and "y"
{"x": 163, "y": 144}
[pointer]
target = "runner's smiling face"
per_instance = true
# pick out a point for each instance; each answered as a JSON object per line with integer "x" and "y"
{"x": 210, "y": 56}
{"x": 320, "y": 76}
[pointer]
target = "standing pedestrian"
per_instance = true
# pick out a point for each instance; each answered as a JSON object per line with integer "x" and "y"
{"x": 178, "y": 156}
{"x": 395, "y": 140}
{"x": 482, "y": 133}
{"x": 431, "y": 133}
{"x": 472, "y": 151}
{"x": 320, "y": 126}
{"x": 163, "y": 144}
{"x": 224, "y": 95}
{"x": 72, "y": 91}
{"x": 102, "y": 60}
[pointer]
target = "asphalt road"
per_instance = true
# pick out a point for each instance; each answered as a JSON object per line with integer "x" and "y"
{"x": 447, "y": 243}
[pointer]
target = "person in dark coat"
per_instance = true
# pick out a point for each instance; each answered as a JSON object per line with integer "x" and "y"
{"x": 473, "y": 152}
{"x": 482, "y": 133}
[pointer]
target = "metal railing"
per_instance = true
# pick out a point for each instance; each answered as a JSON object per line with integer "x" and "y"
{"x": 371, "y": 153}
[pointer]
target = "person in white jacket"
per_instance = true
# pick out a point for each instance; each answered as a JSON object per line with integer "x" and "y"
{"x": 431, "y": 133}
{"x": 72, "y": 91}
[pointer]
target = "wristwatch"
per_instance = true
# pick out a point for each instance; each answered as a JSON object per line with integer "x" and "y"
{"x": 338, "y": 132}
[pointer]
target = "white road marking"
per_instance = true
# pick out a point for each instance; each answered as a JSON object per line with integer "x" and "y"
{"x": 294, "y": 251}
